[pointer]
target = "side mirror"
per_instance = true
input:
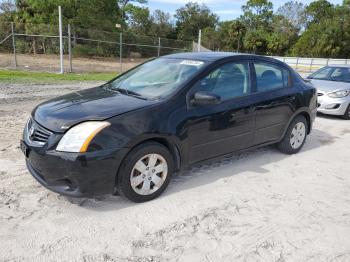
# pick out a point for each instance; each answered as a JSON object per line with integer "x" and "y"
{"x": 205, "y": 98}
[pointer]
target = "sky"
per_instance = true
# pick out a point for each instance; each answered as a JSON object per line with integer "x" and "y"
{"x": 225, "y": 9}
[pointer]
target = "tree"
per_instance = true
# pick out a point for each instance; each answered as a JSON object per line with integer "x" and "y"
{"x": 7, "y": 14}
{"x": 256, "y": 41}
{"x": 123, "y": 6}
{"x": 294, "y": 12}
{"x": 283, "y": 37}
{"x": 139, "y": 20}
{"x": 257, "y": 19}
{"x": 326, "y": 34}
{"x": 161, "y": 24}
{"x": 7, "y": 6}
{"x": 257, "y": 14}
{"x": 319, "y": 10}
{"x": 320, "y": 41}
{"x": 231, "y": 34}
{"x": 210, "y": 38}
{"x": 191, "y": 18}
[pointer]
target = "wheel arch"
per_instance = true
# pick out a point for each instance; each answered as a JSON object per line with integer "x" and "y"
{"x": 305, "y": 112}
{"x": 166, "y": 142}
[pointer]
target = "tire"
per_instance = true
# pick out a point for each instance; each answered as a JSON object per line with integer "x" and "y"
{"x": 347, "y": 113}
{"x": 149, "y": 179}
{"x": 295, "y": 136}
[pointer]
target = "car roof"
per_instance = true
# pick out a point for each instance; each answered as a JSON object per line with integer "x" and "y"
{"x": 209, "y": 56}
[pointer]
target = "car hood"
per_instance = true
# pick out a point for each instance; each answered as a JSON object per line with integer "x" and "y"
{"x": 97, "y": 103}
{"x": 329, "y": 86}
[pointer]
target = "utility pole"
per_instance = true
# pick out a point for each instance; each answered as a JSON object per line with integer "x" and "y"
{"x": 61, "y": 37}
{"x": 70, "y": 50}
{"x": 121, "y": 51}
{"x": 119, "y": 26}
{"x": 14, "y": 44}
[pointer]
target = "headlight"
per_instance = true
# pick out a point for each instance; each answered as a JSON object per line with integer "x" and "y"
{"x": 78, "y": 138}
{"x": 339, "y": 94}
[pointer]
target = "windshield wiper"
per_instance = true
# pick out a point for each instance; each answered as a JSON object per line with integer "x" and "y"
{"x": 130, "y": 93}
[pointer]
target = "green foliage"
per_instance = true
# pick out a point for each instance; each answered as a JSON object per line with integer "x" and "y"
{"x": 319, "y": 29}
{"x": 257, "y": 14}
{"x": 191, "y": 18}
{"x": 210, "y": 36}
{"x": 319, "y": 10}
{"x": 161, "y": 25}
{"x": 327, "y": 33}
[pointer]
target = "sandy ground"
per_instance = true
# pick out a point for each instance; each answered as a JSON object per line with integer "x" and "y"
{"x": 51, "y": 63}
{"x": 256, "y": 206}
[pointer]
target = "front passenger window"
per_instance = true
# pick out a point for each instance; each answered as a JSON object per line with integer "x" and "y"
{"x": 227, "y": 81}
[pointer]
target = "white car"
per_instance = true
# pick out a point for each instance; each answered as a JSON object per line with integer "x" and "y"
{"x": 333, "y": 88}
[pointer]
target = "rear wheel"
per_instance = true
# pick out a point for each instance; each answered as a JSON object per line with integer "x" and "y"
{"x": 347, "y": 113}
{"x": 145, "y": 173}
{"x": 295, "y": 136}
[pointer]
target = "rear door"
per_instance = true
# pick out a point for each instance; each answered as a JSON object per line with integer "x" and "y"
{"x": 275, "y": 100}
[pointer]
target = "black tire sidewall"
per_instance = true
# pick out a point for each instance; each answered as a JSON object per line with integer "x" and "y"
{"x": 285, "y": 145}
{"x": 123, "y": 180}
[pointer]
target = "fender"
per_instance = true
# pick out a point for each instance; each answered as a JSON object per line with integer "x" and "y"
{"x": 301, "y": 111}
{"x": 168, "y": 140}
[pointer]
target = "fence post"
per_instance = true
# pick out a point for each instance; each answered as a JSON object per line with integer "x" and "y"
{"x": 70, "y": 50}
{"x": 296, "y": 66}
{"x": 199, "y": 40}
{"x": 158, "y": 46}
{"x": 311, "y": 64}
{"x": 14, "y": 44}
{"x": 121, "y": 52}
{"x": 327, "y": 61}
{"x": 61, "y": 38}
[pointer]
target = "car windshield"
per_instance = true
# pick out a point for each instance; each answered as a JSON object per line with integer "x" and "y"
{"x": 337, "y": 74}
{"x": 157, "y": 78}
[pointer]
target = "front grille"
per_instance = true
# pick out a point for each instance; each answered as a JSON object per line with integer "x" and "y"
{"x": 36, "y": 133}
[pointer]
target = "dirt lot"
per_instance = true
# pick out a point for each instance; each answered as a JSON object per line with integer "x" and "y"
{"x": 51, "y": 63}
{"x": 256, "y": 206}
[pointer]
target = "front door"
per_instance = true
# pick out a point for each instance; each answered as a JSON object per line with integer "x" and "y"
{"x": 225, "y": 127}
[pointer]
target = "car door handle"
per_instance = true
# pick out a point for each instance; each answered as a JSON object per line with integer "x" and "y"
{"x": 263, "y": 106}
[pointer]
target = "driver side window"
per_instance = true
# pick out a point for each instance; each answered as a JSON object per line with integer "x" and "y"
{"x": 228, "y": 81}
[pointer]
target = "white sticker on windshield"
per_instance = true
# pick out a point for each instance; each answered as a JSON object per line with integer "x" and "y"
{"x": 191, "y": 62}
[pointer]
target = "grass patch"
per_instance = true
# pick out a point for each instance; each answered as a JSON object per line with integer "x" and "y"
{"x": 13, "y": 76}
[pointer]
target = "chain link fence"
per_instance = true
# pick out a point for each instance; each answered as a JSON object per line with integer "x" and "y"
{"x": 36, "y": 47}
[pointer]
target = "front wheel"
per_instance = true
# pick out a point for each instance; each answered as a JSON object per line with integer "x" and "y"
{"x": 145, "y": 172}
{"x": 295, "y": 136}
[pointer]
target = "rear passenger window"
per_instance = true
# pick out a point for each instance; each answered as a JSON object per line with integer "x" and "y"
{"x": 270, "y": 77}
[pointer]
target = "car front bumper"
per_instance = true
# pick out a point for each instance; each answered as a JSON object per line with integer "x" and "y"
{"x": 332, "y": 106}
{"x": 74, "y": 174}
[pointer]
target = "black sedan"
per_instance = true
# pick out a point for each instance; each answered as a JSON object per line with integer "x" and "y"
{"x": 131, "y": 135}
